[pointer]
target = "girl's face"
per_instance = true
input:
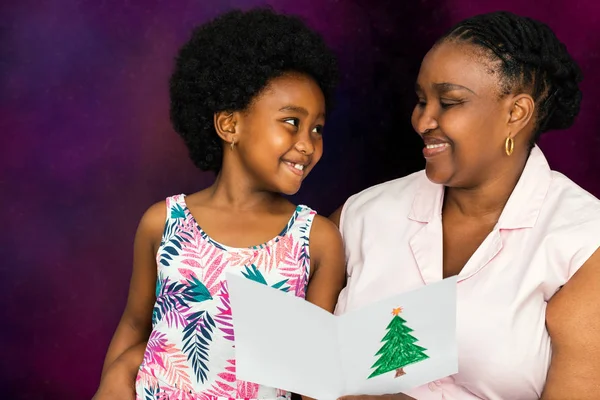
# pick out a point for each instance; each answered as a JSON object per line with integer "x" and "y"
{"x": 280, "y": 133}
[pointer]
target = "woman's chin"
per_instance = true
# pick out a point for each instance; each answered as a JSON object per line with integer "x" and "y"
{"x": 437, "y": 174}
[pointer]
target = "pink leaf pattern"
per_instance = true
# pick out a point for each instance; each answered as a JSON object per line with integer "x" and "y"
{"x": 192, "y": 263}
{"x": 190, "y": 353}
{"x": 247, "y": 390}
{"x": 224, "y": 317}
{"x": 214, "y": 273}
{"x": 169, "y": 362}
{"x": 157, "y": 345}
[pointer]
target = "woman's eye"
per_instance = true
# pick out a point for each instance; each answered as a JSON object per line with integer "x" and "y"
{"x": 318, "y": 129}
{"x": 449, "y": 103}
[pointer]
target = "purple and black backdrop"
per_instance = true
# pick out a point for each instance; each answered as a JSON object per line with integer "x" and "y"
{"x": 87, "y": 146}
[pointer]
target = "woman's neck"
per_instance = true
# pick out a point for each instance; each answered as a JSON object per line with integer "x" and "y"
{"x": 485, "y": 201}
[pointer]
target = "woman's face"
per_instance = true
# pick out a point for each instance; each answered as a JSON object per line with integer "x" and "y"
{"x": 461, "y": 116}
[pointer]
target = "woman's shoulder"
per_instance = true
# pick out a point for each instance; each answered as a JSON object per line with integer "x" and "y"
{"x": 381, "y": 202}
{"x": 568, "y": 222}
{"x": 394, "y": 192}
{"x": 565, "y": 197}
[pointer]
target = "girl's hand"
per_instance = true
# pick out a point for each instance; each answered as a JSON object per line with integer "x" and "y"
{"x": 118, "y": 383}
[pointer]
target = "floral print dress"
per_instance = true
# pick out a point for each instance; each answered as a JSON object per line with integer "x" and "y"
{"x": 190, "y": 352}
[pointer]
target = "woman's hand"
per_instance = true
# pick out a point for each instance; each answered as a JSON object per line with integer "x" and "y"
{"x": 399, "y": 396}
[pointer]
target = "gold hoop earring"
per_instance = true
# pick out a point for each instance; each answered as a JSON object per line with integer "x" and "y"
{"x": 509, "y": 146}
{"x": 232, "y": 144}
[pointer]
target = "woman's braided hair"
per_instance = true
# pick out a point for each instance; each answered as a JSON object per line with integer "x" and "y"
{"x": 533, "y": 59}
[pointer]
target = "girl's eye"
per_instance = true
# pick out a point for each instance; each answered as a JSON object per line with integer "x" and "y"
{"x": 292, "y": 121}
{"x": 318, "y": 129}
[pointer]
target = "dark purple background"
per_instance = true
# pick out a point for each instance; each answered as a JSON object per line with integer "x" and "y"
{"x": 87, "y": 147}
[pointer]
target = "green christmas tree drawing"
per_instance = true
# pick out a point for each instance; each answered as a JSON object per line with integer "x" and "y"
{"x": 399, "y": 349}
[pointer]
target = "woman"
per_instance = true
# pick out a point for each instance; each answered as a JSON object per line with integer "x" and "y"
{"x": 522, "y": 239}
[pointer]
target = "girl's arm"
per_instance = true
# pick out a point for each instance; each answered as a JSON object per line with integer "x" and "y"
{"x": 135, "y": 324}
{"x": 328, "y": 264}
{"x": 118, "y": 381}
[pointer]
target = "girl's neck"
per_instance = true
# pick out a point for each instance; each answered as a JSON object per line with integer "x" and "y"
{"x": 238, "y": 192}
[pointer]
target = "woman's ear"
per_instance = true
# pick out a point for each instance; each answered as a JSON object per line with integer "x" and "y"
{"x": 522, "y": 108}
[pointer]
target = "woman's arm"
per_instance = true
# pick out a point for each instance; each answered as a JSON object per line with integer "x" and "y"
{"x": 336, "y": 216}
{"x": 573, "y": 321}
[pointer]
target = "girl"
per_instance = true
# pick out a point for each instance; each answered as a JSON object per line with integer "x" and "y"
{"x": 249, "y": 96}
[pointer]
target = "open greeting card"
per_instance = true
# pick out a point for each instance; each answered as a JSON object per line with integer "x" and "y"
{"x": 387, "y": 347}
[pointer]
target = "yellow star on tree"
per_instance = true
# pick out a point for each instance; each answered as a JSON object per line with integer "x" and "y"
{"x": 396, "y": 311}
